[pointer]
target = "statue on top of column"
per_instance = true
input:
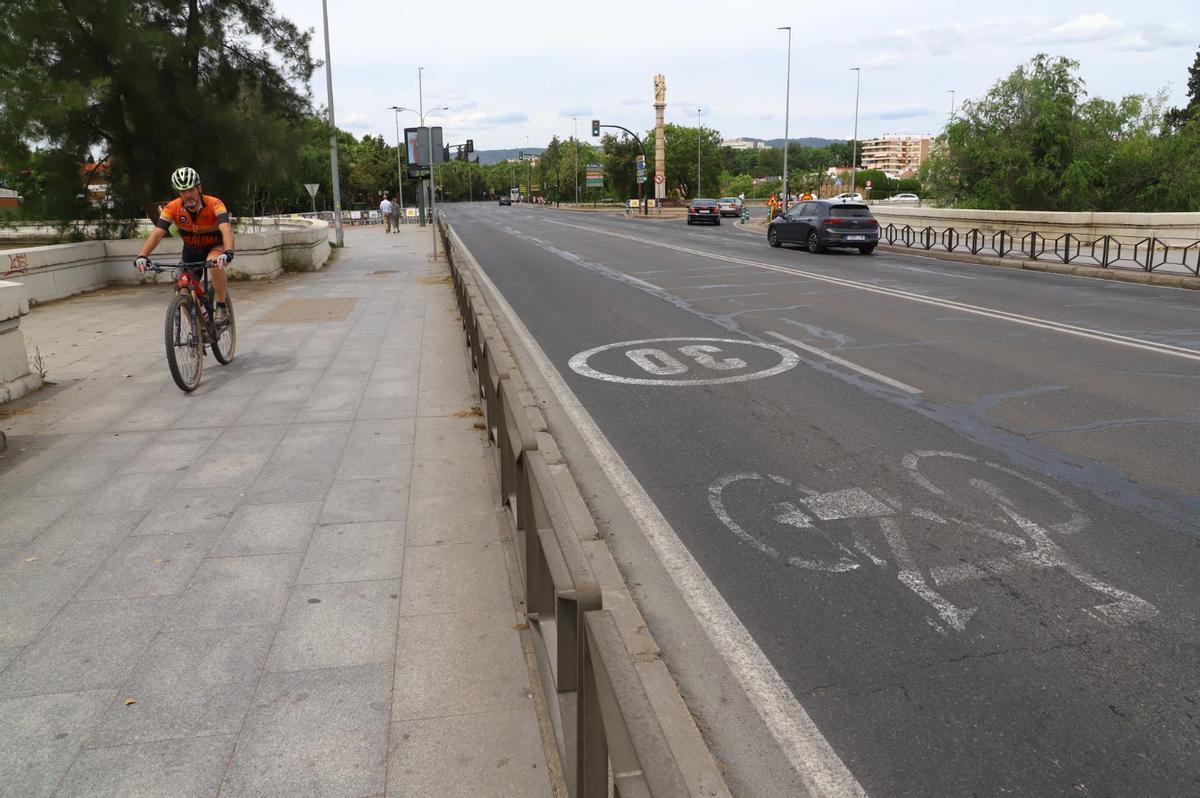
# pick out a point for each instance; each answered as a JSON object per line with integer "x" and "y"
{"x": 660, "y": 90}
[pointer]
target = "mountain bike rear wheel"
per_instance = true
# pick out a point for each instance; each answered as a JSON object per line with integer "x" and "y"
{"x": 185, "y": 342}
{"x": 226, "y": 335}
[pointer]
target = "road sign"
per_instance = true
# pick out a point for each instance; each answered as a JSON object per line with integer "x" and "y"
{"x": 660, "y": 178}
{"x": 595, "y": 175}
{"x": 837, "y": 181}
{"x": 868, "y": 184}
{"x": 312, "y": 188}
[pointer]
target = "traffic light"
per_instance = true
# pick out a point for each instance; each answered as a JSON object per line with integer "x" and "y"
{"x": 595, "y": 127}
{"x": 470, "y": 146}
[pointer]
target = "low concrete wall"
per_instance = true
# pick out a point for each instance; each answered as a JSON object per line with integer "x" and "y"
{"x": 1168, "y": 226}
{"x": 15, "y": 378}
{"x": 61, "y": 270}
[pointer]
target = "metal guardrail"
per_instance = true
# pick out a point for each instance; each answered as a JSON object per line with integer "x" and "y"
{"x": 1108, "y": 251}
{"x": 610, "y": 734}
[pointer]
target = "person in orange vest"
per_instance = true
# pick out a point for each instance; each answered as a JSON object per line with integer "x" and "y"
{"x": 773, "y": 204}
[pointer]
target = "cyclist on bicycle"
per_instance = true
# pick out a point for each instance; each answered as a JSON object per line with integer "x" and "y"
{"x": 204, "y": 227}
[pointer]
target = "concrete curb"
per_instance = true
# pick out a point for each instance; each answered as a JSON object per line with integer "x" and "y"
{"x": 696, "y": 762}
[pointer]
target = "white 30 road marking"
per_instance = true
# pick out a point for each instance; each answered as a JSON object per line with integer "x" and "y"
{"x": 811, "y": 756}
{"x": 875, "y": 375}
{"x": 978, "y": 310}
{"x": 662, "y": 364}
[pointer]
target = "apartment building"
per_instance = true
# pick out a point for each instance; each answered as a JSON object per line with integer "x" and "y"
{"x": 895, "y": 153}
{"x": 744, "y": 144}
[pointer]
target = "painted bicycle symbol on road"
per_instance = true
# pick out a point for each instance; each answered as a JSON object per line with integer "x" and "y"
{"x": 968, "y": 527}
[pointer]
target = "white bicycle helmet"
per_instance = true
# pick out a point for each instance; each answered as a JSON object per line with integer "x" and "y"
{"x": 185, "y": 177}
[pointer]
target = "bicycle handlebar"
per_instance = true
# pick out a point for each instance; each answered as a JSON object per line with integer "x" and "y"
{"x": 196, "y": 264}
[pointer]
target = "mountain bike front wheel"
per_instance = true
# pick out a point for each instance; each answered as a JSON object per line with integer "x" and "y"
{"x": 226, "y": 335}
{"x": 185, "y": 342}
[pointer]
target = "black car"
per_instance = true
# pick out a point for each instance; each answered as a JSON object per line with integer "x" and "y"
{"x": 506, "y": 200}
{"x": 819, "y": 224}
{"x": 703, "y": 210}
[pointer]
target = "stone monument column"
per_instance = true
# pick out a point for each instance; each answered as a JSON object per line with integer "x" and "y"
{"x": 660, "y": 146}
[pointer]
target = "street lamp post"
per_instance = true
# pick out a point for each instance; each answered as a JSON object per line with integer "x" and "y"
{"x": 399, "y": 168}
{"x": 575, "y": 142}
{"x": 699, "y": 138}
{"x": 333, "y": 152}
{"x": 854, "y": 151}
{"x": 787, "y": 101}
{"x": 951, "y": 93}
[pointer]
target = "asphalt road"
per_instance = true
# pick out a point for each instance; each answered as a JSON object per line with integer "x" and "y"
{"x": 955, "y": 506}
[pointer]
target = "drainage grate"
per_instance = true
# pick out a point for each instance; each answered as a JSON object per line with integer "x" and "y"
{"x": 295, "y": 311}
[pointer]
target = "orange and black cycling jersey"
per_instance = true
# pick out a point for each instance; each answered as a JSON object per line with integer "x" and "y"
{"x": 199, "y": 230}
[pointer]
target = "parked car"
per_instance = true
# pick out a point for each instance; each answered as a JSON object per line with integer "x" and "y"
{"x": 730, "y": 206}
{"x": 703, "y": 210}
{"x": 903, "y": 198}
{"x": 506, "y": 201}
{"x": 849, "y": 197}
{"x": 819, "y": 224}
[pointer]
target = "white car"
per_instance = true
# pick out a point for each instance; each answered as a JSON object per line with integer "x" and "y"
{"x": 903, "y": 198}
{"x": 849, "y": 197}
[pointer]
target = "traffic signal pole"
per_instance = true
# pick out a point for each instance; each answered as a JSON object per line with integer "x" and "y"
{"x": 596, "y": 132}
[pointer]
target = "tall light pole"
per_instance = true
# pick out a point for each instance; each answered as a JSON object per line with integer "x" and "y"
{"x": 399, "y": 167}
{"x": 951, "y": 93}
{"x": 575, "y": 141}
{"x": 333, "y": 152}
{"x": 528, "y": 168}
{"x": 854, "y": 151}
{"x": 699, "y": 138}
{"x": 787, "y": 102}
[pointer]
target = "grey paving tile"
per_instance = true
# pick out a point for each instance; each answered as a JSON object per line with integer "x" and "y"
{"x": 134, "y": 494}
{"x": 437, "y": 665}
{"x": 268, "y": 529}
{"x": 354, "y": 552}
{"x": 336, "y": 625}
{"x": 187, "y": 510}
{"x": 87, "y": 646}
{"x": 227, "y": 469}
{"x": 292, "y": 481}
{"x": 454, "y": 577}
{"x": 312, "y": 734}
{"x": 273, "y": 412}
{"x": 385, "y": 407}
{"x": 75, "y": 528}
{"x": 79, "y": 473}
{"x": 356, "y": 500}
{"x": 40, "y": 736}
{"x": 434, "y": 473}
{"x": 251, "y": 438}
{"x": 451, "y": 518}
{"x": 25, "y": 516}
{"x": 148, "y": 565}
{"x": 178, "y": 768}
{"x": 390, "y": 463}
{"x": 190, "y": 683}
{"x": 492, "y": 753}
{"x": 237, "y": 591}
{"x": 382, "y": 432}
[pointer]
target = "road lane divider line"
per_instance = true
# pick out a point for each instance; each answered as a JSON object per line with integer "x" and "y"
{"x": 809, "y": 753}
{"x": 866, "y": 372}
{"x": 897, "y": 293}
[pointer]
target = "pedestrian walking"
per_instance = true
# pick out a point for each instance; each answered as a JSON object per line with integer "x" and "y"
{"x": 385, "y": 210}
{"x": 396, "y": 211}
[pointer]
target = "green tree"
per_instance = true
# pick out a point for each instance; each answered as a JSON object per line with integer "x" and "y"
{"x": 1176, "y": 118}
{"x": 151, "y": 85}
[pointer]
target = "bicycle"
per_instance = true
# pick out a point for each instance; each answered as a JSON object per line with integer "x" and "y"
{"x": 190, "y": 329}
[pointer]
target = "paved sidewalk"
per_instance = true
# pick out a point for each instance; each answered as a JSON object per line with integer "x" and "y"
{"x": 291, "y": 582}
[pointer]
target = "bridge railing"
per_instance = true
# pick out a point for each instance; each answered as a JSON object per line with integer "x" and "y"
{"x": 1150, "y": 254}
{"x": 607, "y": 733}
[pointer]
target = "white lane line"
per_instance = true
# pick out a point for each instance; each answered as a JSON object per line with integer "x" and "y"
{"x": 963, "y": 307}
{"x": 810, "y": 754}
{"x": 875, "y": 375}
{"x": 931, "y": 271}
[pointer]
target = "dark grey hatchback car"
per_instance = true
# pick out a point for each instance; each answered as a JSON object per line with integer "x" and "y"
{"x": 819, "y": 224}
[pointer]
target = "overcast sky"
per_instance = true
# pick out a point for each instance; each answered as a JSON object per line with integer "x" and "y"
{"x": 517, "y": 69}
